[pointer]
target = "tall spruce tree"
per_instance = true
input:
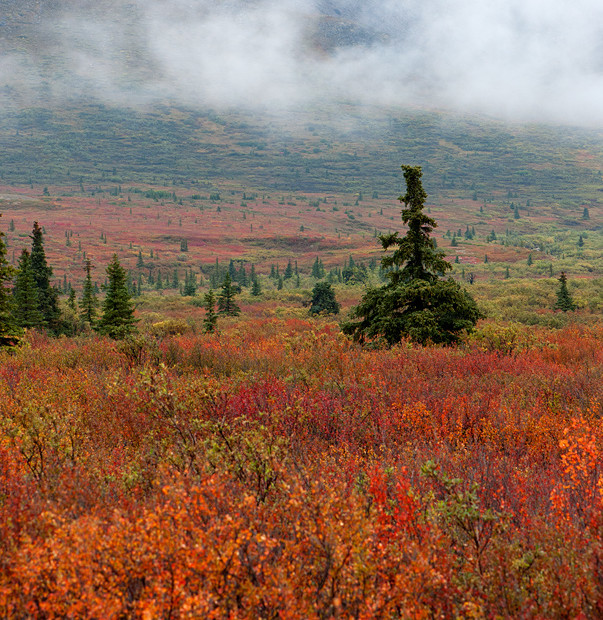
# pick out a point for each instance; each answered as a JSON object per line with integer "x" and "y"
{"x": 288, "y": 273}
{"x": 10, "y": 333}
{"x": 89, "y": 301}
{"x": 323, "y": 299}
{"x": 25, "y": 294}
{"x": 118, "y": 319}
{"x": 190, "y": 284}
{"x": 564, "y": 299}
{"x": 71, "y": 301}
{"x": 416, "y": 302}
{"x": 211, "y": 317}
{"x": 42, "y": 273}
{"x": 226, "y": 298}
{"x": 256, "y": 287}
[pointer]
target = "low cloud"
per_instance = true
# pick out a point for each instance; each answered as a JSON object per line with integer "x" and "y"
{"x": 526, "y": 60}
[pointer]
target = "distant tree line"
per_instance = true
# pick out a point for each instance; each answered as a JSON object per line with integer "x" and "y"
{"x": 29, "y": 301}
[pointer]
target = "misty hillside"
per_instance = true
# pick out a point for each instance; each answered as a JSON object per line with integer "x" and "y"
{"x": 519, "y": 61}
{"x": 314, "y": 96}
{"x": 107, "y": 43}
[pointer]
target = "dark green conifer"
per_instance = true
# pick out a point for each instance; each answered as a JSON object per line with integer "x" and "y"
{"x": 25, "y": 294}
{"x": 71, "y": 301}
{"x": 416, "y": 302}
{"x": 323, "y": 299}
{"x": 89, "y": 301}
{"x": 190, "y": 284}
{"x": 564, "y": 299}
{"x": 226, "y": 298}
{"x": 118, "y": 319}
{"x": 318, "y": 270}
{"x": 42, "y": 273}
{"x": 10, "y": 332}
{"x": 211, "y": 317}
{"x": 288, "y": 273}
{"x": 242, "y": 278}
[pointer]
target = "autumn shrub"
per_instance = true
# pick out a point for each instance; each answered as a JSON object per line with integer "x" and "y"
{"x": 279, "y": 470}
{"x": 169, "y": 327}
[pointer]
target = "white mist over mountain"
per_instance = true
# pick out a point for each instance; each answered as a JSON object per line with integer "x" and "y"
{"x": 528, "y": 60}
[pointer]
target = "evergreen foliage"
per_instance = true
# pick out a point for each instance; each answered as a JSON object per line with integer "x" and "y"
{"x": 564, "y": 299}
{"x": 318, "y": 270}
{"x": 71, "y": 301}
{"x": 211, "y": 317}
{"x": 416, "y": 302}
{"x": 288, "y": 273}
{"x": 42, "y": 273}
{"x": 9, "y": 331}
{"x": 226, "y": 298}
{"x": 190, "y": 284}
{"x": 89, "y": 301}
{"x": 25, "y": 294}
{"x": 323, "y": 299}
{"x": 118, "y": 319}
{"x": 242, "y": 278}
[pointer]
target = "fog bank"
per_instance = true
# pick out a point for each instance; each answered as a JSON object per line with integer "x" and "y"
{"x": 524, "y": 60}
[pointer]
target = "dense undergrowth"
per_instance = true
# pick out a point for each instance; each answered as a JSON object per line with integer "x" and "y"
{"x": 278, "y": 470}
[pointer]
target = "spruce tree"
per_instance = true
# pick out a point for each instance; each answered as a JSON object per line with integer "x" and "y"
{"x": 42, "y": 273}
{"x": 190, "y": 284}
{"x": 71, "y": 301}
{"x": 288, "y": 274}
{"x": 211, "y": 317}
{"x": 242, "y": 278}
{"x": 564, "y": 299}
{"x": 323, "y": 299}
{"x": 318, "y": 270}
{"x": 226, "y": 298}
{"x": 89, "y": 301}
{"x": 416, "y": 302}
{"x": 25, "y": 294}
{"x": 10, "y": 333}
{"x": 118, "y": 319}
